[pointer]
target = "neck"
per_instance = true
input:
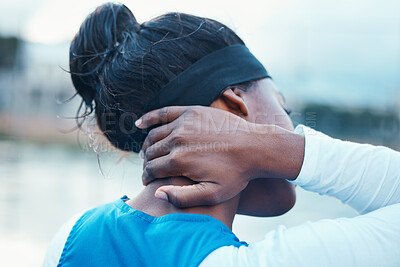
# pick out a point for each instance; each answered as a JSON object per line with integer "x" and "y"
{"x": 146, "y": 202}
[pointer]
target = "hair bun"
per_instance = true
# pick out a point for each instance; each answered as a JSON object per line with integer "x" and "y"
{"x": 99, "y": 35}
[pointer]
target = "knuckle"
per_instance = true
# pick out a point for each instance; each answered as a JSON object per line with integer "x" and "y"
{"x": 177, "y": 137}
{"x": 151, "y": 136}
{"x": 164, "y": 148}
{"x": 148, "y": 154}
{"x": 145, "y": 146}
{"x": 148, "y": 169}
{"x": 144, "y": 178}
{"x": 175, "y": 158}
{"x": 178, "y": 126}
{"x": 175, "y": 125}
{"x": 163, "y": 112}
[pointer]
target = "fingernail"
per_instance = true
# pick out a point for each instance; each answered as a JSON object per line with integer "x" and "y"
{"x": 161, "y": 195}
{"x": 141, "y": 154}
{"x": 138, "y": 122}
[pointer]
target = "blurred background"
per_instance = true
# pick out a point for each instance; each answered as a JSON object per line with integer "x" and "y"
{"x": 337, "y": 62}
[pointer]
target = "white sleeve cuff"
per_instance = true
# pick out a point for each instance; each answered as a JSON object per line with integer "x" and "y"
{"x": 363, "y": 176}
{"x": 311, "y": 156}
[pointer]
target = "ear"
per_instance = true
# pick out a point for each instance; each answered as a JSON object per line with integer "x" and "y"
{"x": 234, "y": 100}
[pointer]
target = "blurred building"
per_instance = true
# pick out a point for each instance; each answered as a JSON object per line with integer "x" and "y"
{"x": 32, "y": 85}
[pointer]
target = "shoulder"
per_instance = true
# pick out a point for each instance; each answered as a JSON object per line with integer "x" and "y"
{"x": 56, "y": 246}
{"x": 223, "y": 256}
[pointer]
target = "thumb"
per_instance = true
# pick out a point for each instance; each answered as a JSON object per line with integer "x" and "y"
{"x": 201, "y": 194}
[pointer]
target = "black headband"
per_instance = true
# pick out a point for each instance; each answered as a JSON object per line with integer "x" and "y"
{"x": 205, "y": 80}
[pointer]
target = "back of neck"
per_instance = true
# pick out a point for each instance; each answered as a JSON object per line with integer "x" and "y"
{"x": 146, "y": 202}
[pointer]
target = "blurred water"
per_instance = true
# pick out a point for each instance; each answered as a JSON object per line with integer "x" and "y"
{"x": 43, "y": 185}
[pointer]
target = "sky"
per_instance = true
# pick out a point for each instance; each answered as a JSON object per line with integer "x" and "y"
{"x": 322, "y": 49}
{"x": 52, "y": 21}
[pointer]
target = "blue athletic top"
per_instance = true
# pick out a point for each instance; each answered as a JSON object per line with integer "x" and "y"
{"x": 115, "y": 234}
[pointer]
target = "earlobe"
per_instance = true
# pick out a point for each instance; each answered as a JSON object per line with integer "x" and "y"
{"x": 235, "y": 102}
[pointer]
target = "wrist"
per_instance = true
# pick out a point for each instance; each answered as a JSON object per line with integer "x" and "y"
{"x": 279, "y": 152}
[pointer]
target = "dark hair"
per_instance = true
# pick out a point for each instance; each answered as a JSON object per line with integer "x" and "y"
{"x": 117, "y": 65}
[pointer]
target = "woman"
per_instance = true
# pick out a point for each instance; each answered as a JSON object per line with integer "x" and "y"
{"x": 120, "y": 68}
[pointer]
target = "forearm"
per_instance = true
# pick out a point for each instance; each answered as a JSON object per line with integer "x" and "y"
{"x": 276, "y": 152}
{"x": 365, "y": 177}
{"x": 366, "y": 240}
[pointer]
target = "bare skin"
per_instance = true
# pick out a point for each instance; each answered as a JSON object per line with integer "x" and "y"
{"x": 219, "y": 186}
{"x": 146, "y": 202}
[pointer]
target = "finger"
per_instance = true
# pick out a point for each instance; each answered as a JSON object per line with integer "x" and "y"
{"x": 147, "y": 180}
{"x": 162, "y": 115}
{"x": 201, "y": 194}
{"x": 156, "y": 135}
{"x": 159, "y": 168}
{"x": 159, "y": 149}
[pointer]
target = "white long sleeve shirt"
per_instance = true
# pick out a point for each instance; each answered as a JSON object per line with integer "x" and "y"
{"x": 363, "y": 176}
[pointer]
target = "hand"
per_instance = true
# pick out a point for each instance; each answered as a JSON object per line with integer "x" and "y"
{"x": 217, "y": 149}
